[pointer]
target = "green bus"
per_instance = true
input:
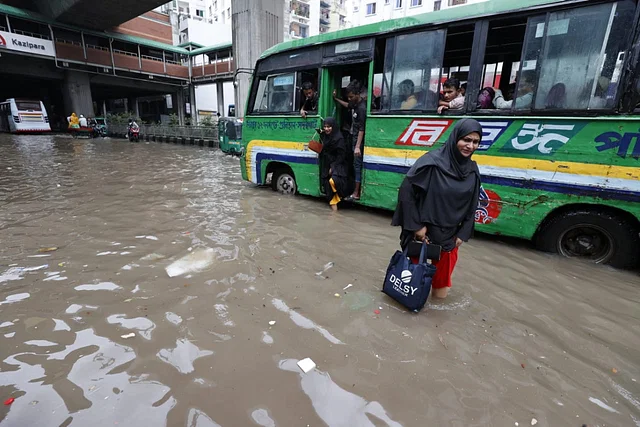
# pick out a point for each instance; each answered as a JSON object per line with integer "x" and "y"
{"x": 559, "y": 158}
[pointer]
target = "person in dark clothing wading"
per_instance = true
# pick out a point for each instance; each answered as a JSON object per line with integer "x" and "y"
{"x": 335, "y": 166}
{"x": 438, "y": 198}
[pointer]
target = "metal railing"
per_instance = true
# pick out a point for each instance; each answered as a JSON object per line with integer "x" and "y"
{"x": 209, "y": 133}
{"x": 30, "y": 34}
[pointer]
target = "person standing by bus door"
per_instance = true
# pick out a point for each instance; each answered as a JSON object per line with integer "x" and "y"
{"x": 358, "y": 111}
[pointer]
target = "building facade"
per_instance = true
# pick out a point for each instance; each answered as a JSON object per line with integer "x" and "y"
{"x": 209, "y": 22}
{"x": 370, "y": 11}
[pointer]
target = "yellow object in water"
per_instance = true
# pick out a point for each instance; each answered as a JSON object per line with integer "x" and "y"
{"x": 336, "y": 199}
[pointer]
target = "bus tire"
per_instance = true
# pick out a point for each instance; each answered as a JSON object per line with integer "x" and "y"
{"x": 284, "y": 182}
{"x": 598, "y": 235}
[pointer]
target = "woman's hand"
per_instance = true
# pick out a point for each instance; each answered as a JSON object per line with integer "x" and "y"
{"x": 421, "y": 234}
{"x": 458, "y": 242}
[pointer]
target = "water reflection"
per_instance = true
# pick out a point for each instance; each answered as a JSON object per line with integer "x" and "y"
{"x": 335, "y": 405}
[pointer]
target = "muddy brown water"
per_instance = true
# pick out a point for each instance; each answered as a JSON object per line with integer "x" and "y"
{"x": 97, "y": 333}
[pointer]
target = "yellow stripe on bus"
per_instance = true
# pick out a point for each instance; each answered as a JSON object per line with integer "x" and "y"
{"x": 271, "y": 144}
{"x": 576, "y": 168}
{"x": 610, "y": 171}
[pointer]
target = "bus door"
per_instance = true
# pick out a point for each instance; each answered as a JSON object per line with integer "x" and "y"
{"x": 343, "y": 63}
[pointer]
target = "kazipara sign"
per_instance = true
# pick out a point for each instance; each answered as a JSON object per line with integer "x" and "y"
{"x": 26, "y": 44}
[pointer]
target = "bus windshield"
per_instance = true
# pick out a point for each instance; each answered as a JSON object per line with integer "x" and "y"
{"x": 28, "y": 106}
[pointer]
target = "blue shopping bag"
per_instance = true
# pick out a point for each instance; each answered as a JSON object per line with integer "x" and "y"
{"x": 409, "y": 283}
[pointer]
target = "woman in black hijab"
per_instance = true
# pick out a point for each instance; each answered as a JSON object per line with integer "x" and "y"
{"x": 335, "y": 167}
{"x": 438, "y": 198}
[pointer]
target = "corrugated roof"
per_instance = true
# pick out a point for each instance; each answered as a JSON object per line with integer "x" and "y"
{"x": 187, "y": 44}
{"x": 452, "y": 14}
{"x": 210, "y": 49}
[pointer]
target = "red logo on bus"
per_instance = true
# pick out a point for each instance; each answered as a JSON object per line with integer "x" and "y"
{"x": 489, "y": 207}
{"x": 423, "y": 132}
{"x": 3, "y": 42}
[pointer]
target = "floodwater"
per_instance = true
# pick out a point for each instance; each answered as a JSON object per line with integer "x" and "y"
{"x": 95, "y": 332}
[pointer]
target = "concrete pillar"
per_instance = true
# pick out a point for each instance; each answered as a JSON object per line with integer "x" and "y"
{"x": 76, "y": 91}
{"x": 220, "y": 98}
{"x": 179, "y": 106}
{"x": 256, "y": 26}
{"x": 104, "y": 108}
{"x": 133, "y": 106}
{"x": 194, "y": 107}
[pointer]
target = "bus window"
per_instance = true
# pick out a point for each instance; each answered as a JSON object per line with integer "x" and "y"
{"x": 408, "y": 78}
{"x": 457, "y": 57}
{"x": 505, "y": 39}
{"x": 580, "y": 55}
{"x": 276, "y": 94}
{"x": 380, "y": 80}
{"x": 28, "y": 105}
{"x": 307, "y": 93}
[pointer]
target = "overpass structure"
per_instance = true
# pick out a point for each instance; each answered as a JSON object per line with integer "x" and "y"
{"x": 96, "y": 15}
{"x": 95, "y": 66}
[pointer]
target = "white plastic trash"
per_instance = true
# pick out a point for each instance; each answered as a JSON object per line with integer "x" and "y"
{"x": 306, "y": 365}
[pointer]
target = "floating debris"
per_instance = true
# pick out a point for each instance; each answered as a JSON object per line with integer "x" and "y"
{"x": 50, "y": 249}
{"x": 196, "y": 261}
{"x": 327, "y": 266}
{"x": 127, "y": 336}
{"x": 306, "y": 365}
{"x": 272, "y": 322}
{"x": 347, "y": 287}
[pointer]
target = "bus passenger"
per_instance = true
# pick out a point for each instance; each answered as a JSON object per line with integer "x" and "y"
{"x": 335, "y": 166}
{"x": 463, "y": 89}
{"x": 406, "y": 89}
{"x": 485, "y": 98}
{"x": 452, "y": 97}
{"x": 438, "y": 198}
{"x": 358, "y": 111}
{"x": 525, "y": 90}
{"x": 556, "y": 98}
{"x": 310, "y": 102}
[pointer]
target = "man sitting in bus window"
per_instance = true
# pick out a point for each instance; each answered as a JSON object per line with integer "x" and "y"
{"x": 525, "y": 92}
{"x": 452, "y": 98}
{"x": 310, "y": 102}
{"x": 409, "y": 100}
{"x": 358, "y": 110}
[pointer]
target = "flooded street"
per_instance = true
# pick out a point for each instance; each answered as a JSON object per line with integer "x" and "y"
{"x": 95, "y": 332}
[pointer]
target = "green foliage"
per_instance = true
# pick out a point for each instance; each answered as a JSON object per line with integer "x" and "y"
{"x": 207, "y": 122}
{"x": 122, "y": 118}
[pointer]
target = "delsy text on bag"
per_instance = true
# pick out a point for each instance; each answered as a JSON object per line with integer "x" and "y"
{"x": 399, "y": 286}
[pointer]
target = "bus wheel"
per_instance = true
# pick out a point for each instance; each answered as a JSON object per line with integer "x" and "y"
{"x": 284, "y": 182}
{"x": 595, "y": 235}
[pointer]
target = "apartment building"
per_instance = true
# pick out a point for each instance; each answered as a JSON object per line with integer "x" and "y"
{"x": 205, "y": 22}
{"x": 370, "y": 11}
